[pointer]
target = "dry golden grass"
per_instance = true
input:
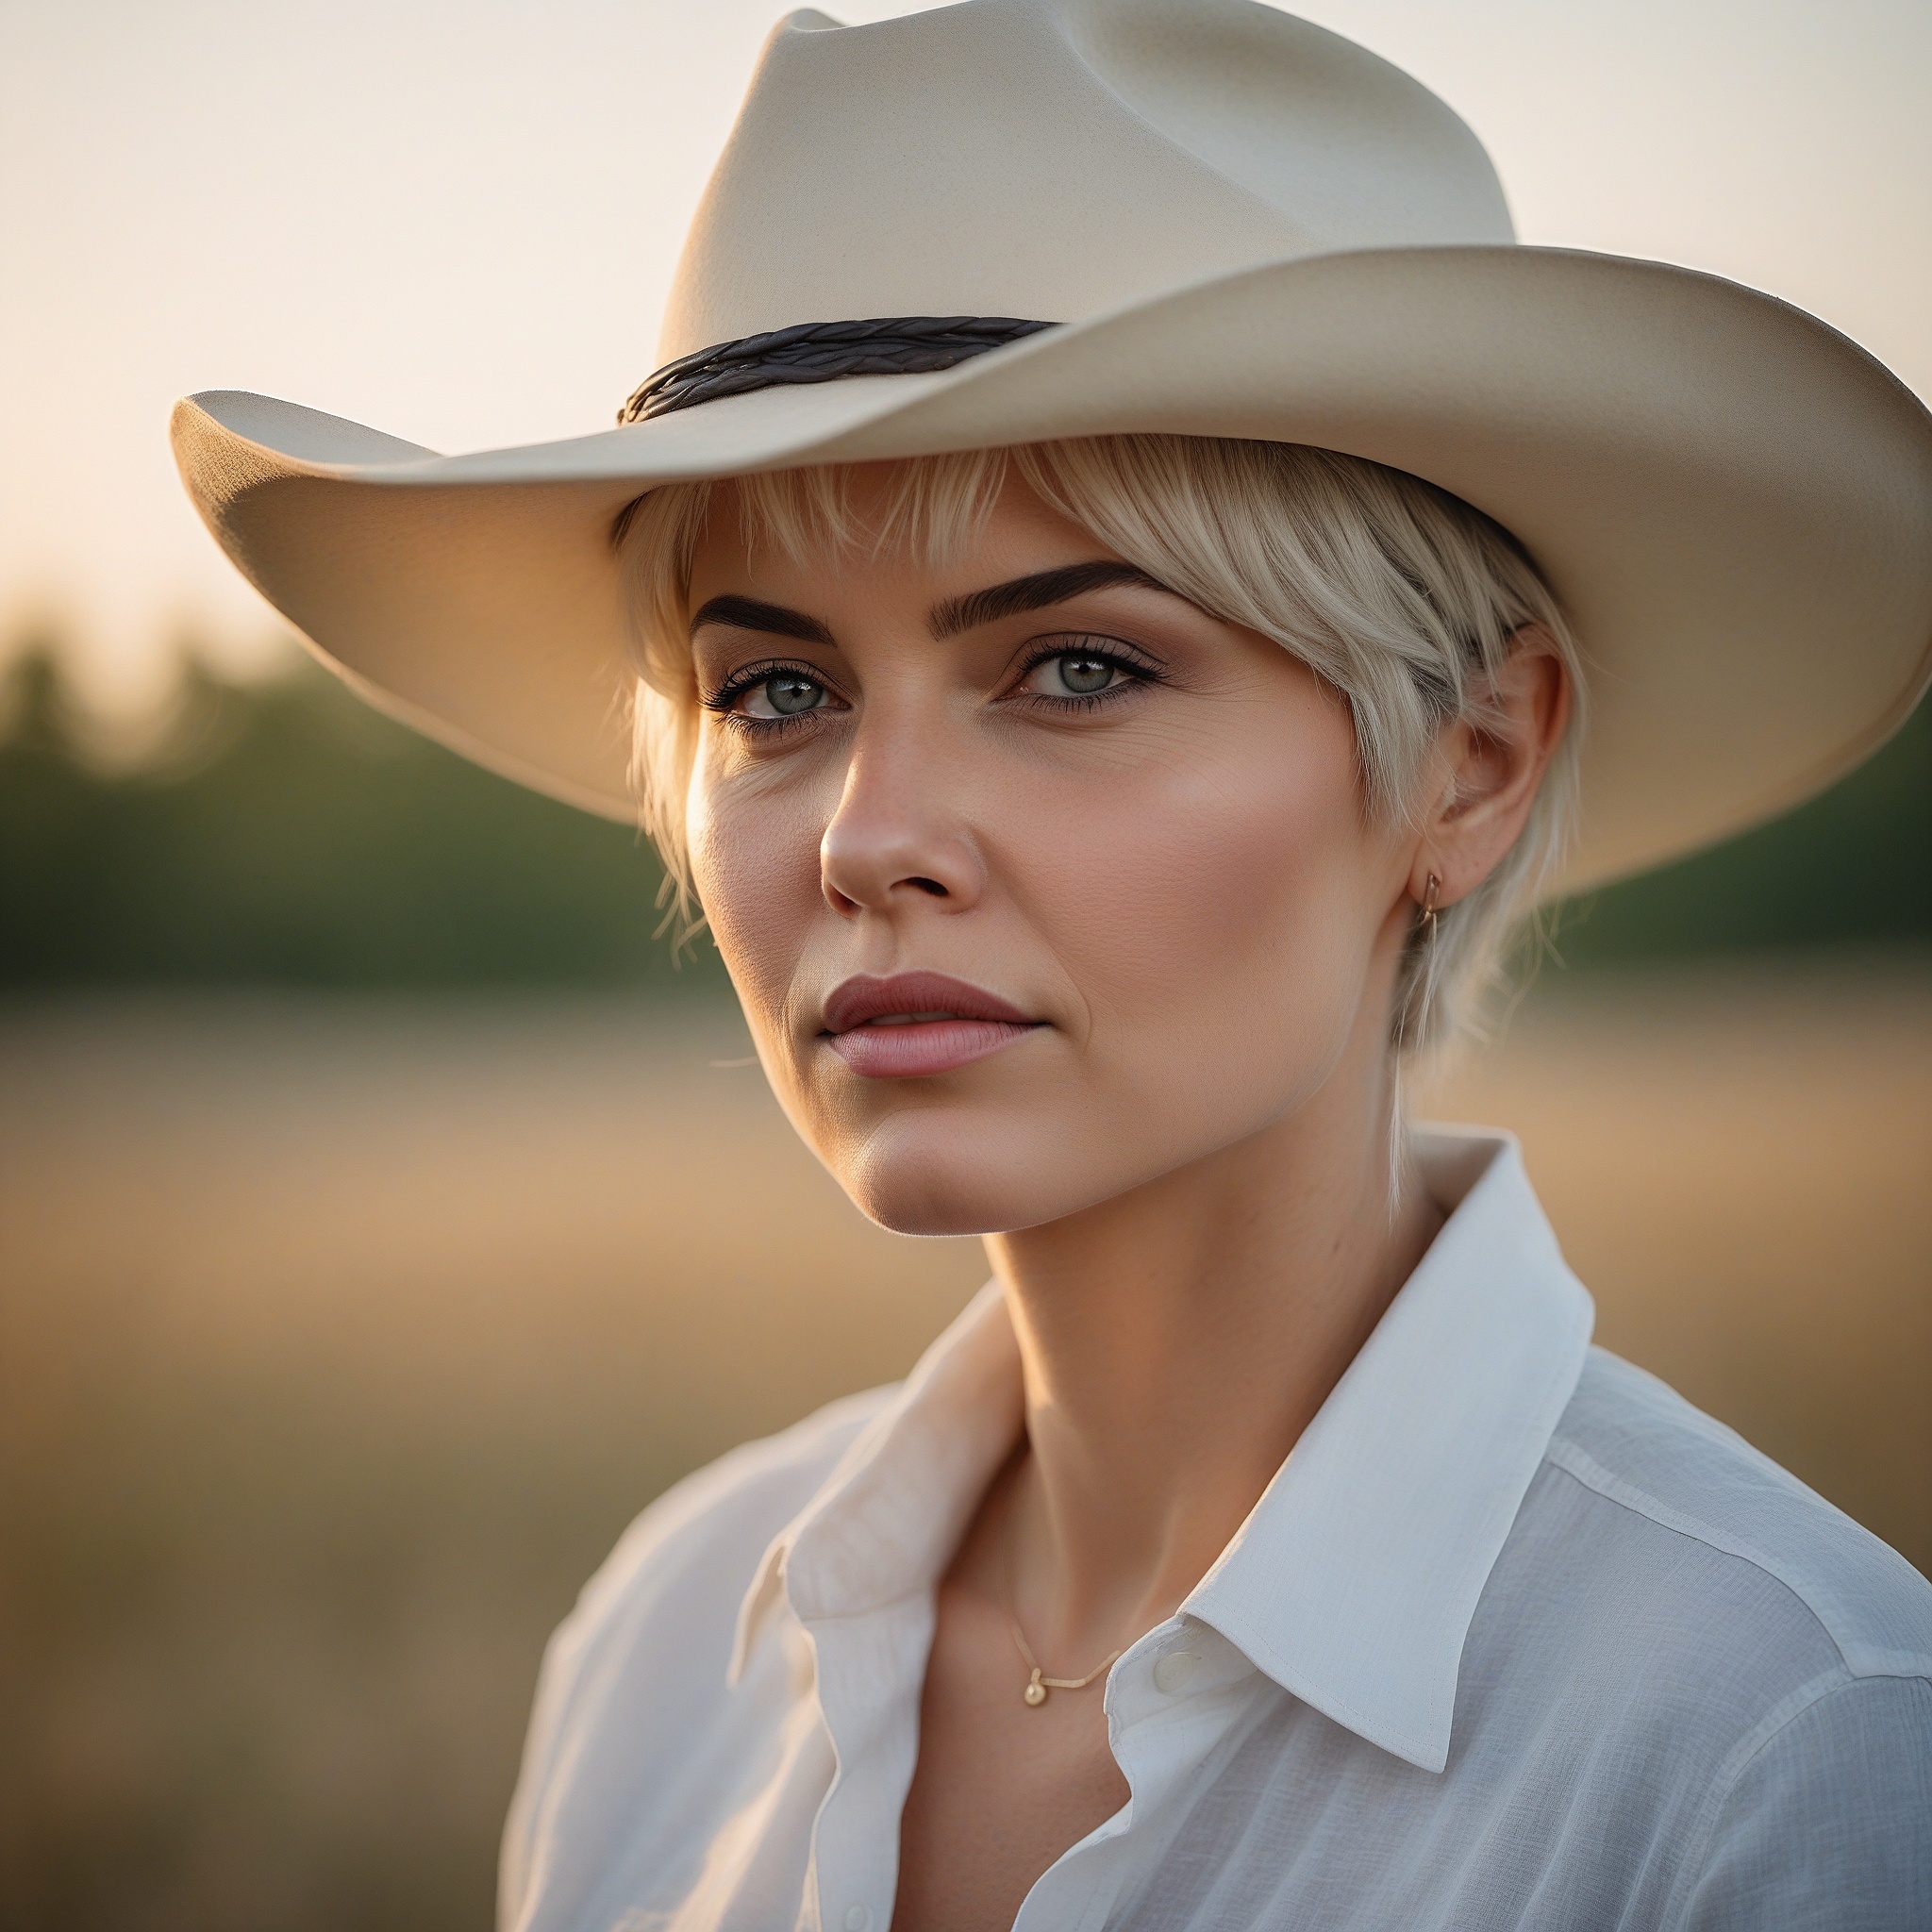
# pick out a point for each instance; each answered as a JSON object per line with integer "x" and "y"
{"x": 337, "y": 1340}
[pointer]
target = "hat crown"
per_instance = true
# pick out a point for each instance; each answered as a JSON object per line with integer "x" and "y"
{"x": 1058, "y": 158}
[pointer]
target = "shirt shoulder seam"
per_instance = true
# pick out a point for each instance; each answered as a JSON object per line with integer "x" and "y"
{"x": 1577, "y": 1462}
{"x": 1743, "y": 1755}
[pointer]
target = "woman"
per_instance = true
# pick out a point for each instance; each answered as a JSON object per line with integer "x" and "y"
{"x": 1111, "y": 702}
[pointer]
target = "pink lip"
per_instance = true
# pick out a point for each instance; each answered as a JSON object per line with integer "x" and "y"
{"x": 865, "y": 1028}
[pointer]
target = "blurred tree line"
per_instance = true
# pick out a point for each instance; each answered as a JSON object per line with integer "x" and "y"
{"x": 281, "y": 832}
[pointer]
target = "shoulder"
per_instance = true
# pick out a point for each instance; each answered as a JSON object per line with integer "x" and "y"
{"x": 1797, "y": 1651}
{"x": 646, "y": 1651}
{"x": 1728, "y": 1524}
{"x": 700, "y": 1544}
{"x": 1734, "y": 1675}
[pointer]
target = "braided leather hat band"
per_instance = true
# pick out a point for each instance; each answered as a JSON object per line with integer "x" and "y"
{"x": 822, "y": 352}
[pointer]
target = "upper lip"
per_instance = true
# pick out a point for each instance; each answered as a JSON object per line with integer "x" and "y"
{"x": 855, "y": 1001}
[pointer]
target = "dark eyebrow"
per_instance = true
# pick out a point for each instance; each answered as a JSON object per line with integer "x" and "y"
{"x": 747, "y": 613}
{"x": 1034, "y": 593}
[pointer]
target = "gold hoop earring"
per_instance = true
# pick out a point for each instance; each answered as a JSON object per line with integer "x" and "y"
{"x": 1432, "y": 918}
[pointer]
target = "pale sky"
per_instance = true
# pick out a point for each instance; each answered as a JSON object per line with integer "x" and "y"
{"x": 456, "y": 221}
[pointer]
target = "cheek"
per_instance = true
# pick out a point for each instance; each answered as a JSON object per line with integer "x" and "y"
{"x": 755, "y": 862}
{"x": 1219, "y": 919}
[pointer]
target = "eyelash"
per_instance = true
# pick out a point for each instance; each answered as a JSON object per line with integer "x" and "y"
{"x": 1137, "y": 672}
{"x": 749, "y": 678}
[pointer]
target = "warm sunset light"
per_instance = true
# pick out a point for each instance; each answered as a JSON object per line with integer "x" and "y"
{"x": 1354, "y": 827}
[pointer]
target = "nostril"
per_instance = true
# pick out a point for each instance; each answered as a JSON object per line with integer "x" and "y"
{"x": 932, "y": 886}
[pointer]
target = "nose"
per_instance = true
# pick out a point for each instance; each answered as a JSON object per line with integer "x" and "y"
{"x": 897, "y": 839}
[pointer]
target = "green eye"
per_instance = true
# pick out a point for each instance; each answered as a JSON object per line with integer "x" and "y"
{"x": 1082, "y": 675}
{"x": 789, "y": 693}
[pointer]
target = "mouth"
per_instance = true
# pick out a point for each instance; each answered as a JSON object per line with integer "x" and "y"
{"x": 912, "y": 1025}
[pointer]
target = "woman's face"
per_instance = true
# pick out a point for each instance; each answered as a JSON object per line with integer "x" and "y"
{"x": 1035, "y": 881}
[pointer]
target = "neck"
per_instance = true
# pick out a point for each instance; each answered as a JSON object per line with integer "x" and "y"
{"x": 1178, "y": 1339}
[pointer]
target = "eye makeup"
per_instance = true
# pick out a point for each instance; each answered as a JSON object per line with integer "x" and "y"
{"x": 1089, "y": 670}
{"x": 772, "y": 694}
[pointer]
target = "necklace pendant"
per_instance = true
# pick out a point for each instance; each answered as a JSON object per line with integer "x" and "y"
{"x": 1034, "y": 1693}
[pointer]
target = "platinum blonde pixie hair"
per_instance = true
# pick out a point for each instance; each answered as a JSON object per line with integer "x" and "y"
{"x": 1402, "y": 597}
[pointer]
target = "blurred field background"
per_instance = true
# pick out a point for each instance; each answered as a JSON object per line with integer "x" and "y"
{"x": 377, "y": 1231}
{"x": 383, "y": 1222}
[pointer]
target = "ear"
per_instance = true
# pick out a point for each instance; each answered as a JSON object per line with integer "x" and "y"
{"x": 1487, "y": 769}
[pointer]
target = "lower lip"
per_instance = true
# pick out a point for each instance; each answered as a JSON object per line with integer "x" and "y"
{"x": 923, "y": 1047}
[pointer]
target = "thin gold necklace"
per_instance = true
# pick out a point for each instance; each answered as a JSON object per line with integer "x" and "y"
{"x": 1040, "y": 1683}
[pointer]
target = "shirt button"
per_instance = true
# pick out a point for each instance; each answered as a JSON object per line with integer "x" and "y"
{"x": 859, "y": 1919}
{"x": 1175, "y": 1671}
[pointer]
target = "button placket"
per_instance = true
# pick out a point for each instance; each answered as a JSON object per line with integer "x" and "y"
{"x": 1160, "y": 1740}
{"x": 868, "y": 1666}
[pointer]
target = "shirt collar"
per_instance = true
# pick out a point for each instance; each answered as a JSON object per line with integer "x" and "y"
{"x": 1354, "y": 1579}
{"x": 884, "y": 1524}
{"x": 1352, "y": 1582}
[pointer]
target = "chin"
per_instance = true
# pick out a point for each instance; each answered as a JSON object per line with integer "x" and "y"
{"x": 933, "y": 1172}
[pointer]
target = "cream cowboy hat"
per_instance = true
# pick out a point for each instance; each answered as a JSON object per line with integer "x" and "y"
{"x": 1237, "y": 224}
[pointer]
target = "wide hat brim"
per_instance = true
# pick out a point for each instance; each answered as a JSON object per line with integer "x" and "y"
{"x": 1732, "y": 502}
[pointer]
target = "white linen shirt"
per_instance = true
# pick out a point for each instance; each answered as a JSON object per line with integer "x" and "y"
{"x": 1516, "y": 1637}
